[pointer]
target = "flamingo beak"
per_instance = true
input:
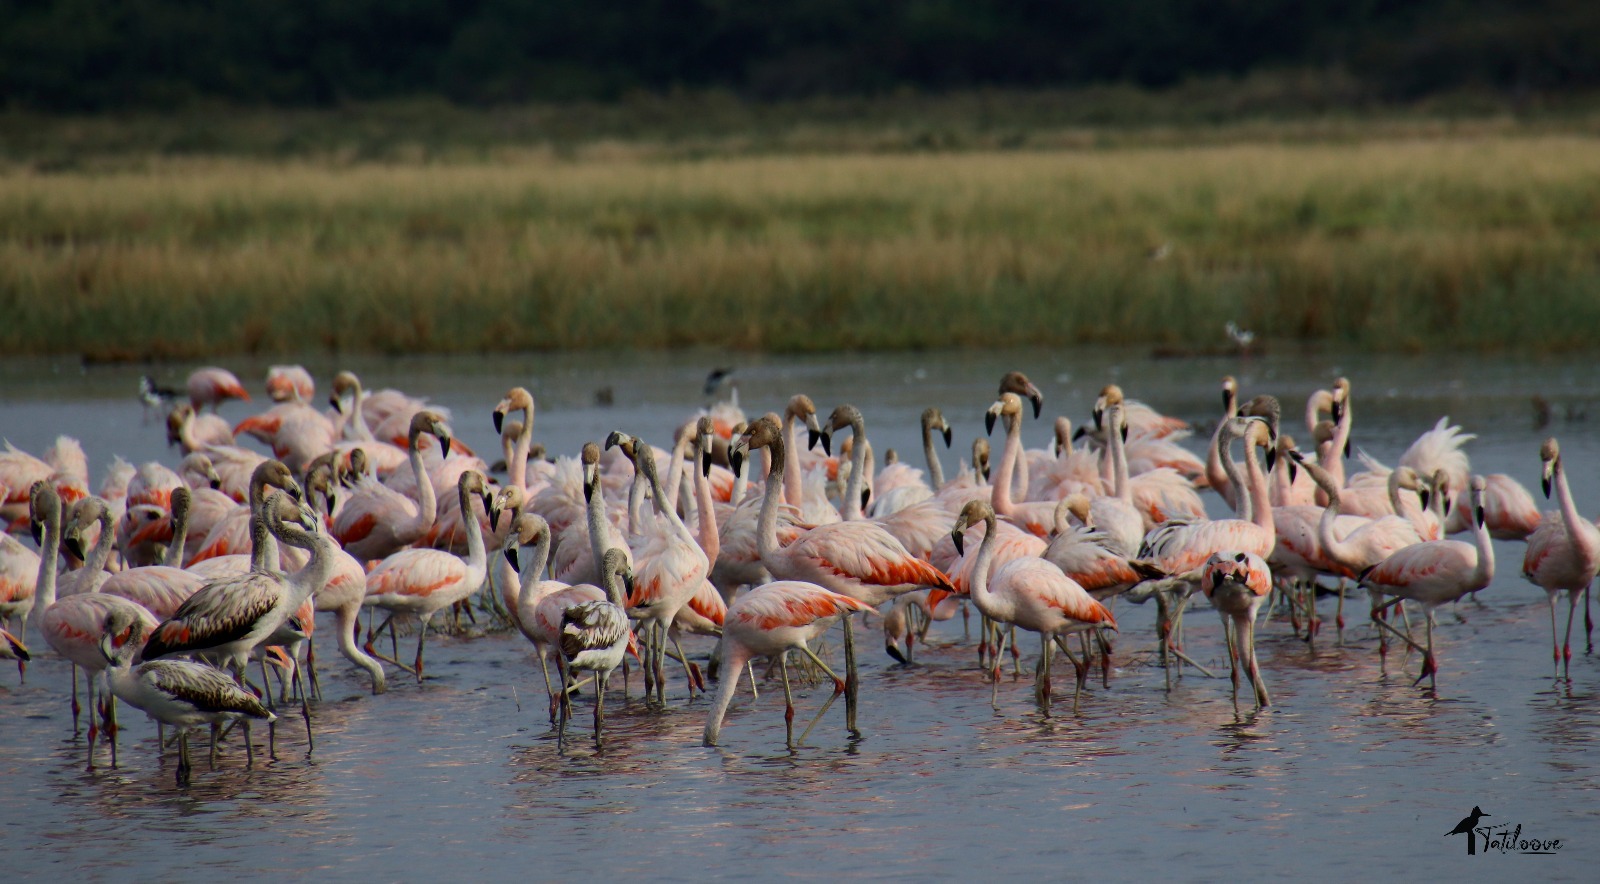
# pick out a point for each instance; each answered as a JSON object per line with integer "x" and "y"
{"x": 1272, "y": 457}
{"x": 866, "y": 493}
{"x": 1544, "y": 481}
{"x": 617, "y": 437}
{"x": 827, "y": 442}
{"x": 74, "y": 546}
{"x": 37, "y": 530}
{"x": 960, "y": 541}
{"x": 947, "y": 435}
{"x": 444, "y": 445}
{"x": 334, "y": 402}
{"x": 511, "y": 556}
{"x": 988, "y": 422}
{"x": 1477, "y": 513}
{"x": 499, "y": 420}
{"x": 705, "y": 462}
{"x": 1423, "y": 494}
{"x": 1037, "y": 399}
{"x": 1293, "y": 474}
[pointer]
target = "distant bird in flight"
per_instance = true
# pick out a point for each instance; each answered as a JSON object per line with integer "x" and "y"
{"x": 1242, "y": 337}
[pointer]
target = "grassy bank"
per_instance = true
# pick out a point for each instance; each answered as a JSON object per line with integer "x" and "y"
{"x": 1487, "y": 240}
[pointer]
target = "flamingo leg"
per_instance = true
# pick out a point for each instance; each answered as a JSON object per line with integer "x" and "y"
{"x": 1566, "y": 649}
{"x": 213, "y": 753}
{"x": 1233, "y": 658}
{"x": 1262, "y": 699}
{"x": 305, "y": 708}
{"x": 1555, "y": 647}
{"x": 852, "y": 678}
{"x": 1430, "y": 666}
{"x": 1016, "y": 655}
{"x": 549, "y": 689}
{"x": 1041, "y": 676}
{"x": 75, "y": 707}
{"x": 1338, "y": 617}
{"x": 755, "y": 694}
{"x": 111, "y": 726}
{"x": 788, "y": 700}
{"x": 1079, "y": 666}
{"x": 691, "y": 669}
{"x": 600, "y": 709}
{"x": 311, "y": 663}
{"x": 183, "y": 758}
{"x": 994, "y": 667}
{"x": 838, "y": 688}
{"x": 566, "y": 712}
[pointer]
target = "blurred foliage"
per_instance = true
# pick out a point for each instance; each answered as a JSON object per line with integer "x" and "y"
{"x": 96, "y": 55}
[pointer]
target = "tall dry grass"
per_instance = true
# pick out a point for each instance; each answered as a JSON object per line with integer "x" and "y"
{"x": 1482, "y": 242}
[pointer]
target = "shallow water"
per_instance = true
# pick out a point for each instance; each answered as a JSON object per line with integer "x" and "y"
{"x": 1351, "y": 772}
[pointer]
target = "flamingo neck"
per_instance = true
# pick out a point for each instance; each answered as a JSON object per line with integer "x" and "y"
{"x": 636, "y": 504}
{"x": 706, "y": 512}
{"x": 979, "y": 583}
{"x": 735, "y": 655}
{"x": 517, "y": 469}
{"x": 1483, "y": 574}
{"x": 428, "y": 502}
{"x": 477, "y": 556}
{"x": 599, "y": 527}
{"x": 101, "y": 554}
{"x": 1001, "y": 495}
{"x": 1341, "y": 439}
{"x": 180, "y": 530}
{"x": 362, "y": 432}
{"x": 1585, "y": 542}
{"x": 767, "y": 523}
{"x": 935, "y": 469}
{"x": 794, "y": 483}
{"x": 1336, "y": 549}
{"x": 1260, "y": 500}
{"x": 851, "y": 509}
{"x": 1217, "y": 473}
{"x": 531, "y": 568}
{"x": 1120, "y": 488}
{"x": 49, "y": 562}
{"x": 348, "y": 619}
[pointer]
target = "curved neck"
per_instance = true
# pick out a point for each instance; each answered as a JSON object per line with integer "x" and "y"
{"x": 49, "y": 561}
{"x": 1335, "y": 548}
{"x": 1483, "y": 574}
{"x": 1222, "y": 479}
{"x": 1341, "y": 439}
{"x": 531, "y": 567}
{"x": 794, "y": 483}
{"x": 477, "y": 557}
{"x": 767, "y": 524}
{"x": 1001, "y": 495}
{"x": 517, "y": 469}
{"x": 186, "y": 437}
{"x": 1241, "y": 498}
{"x": 101, "y": 554}
{"x": 180, "y": 528}
{"x": 1260, "y": 500}
{"x": 935, "y": 469}
{"x": 347, "y": 624}
{"x": 1019, "y": 476}
{"x": 428, "y": 502}
{"x": 850, "y": 510}
{"x": 599, "y": 526}
{"x": 362, "y": 431}
{"x": 1119, "y": 459}
{"x": 1585, "y": 542}
{"x": 706, "y": 512}
{"x": 636, "y": 503}
{"x": 979, "y": 585}
{"x": 674, "y": 486}
{"x": 735, "y": 655}
{"x": 310, "y": 579}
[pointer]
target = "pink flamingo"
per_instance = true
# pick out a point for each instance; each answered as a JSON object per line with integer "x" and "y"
{"x": 426, "y": 581}
{"x": 231, "y": 534}
{"x": 73, "y": 626}
{"x": 1237, "y": 584}
{"x": 376, "y": 520}
{"x": 162, "y": 588}
{"x": 212, "y": 386}
{"x": 290, "y": 383}
{"x": 1432, "y": 574}
{"x": 1031, "y": 593}
{"x": 527, "y": 548}
{"x": 1035, "y": 517}
{"x": 1563, "y": 553}
{"x": 858, "y": 559}
{"x": 770, "y": 621}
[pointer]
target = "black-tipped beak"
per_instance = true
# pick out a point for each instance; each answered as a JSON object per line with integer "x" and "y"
{"x": 947, "y": 436}
{"x": 1477, "y": 513}
{"x": 896, "y": 653}
{"x": 614, "y": 439}
{"x": 866, "y": 494}
{"x": 1079, "y": 433}
{"x": 334, "y": 401}
{"x": 1338, "y": 411}
{"x": 1099, "y": 417}
{"x": 1293, "y": 472}
{"x": 1424, "y": 497}
{"x": 1545, "y": 484}
{"x": 827, "y": 442}
{"x": 588, "y": 490}
{"x": 705, "y": 463}
{"x": 736, "y": 460}
{"x": 627, "y": 585}
{"x": 499, "y": 420}
{"x": 813, "y": 436}
{"x": 1347, "y": 448}
{"x": 37, "y": 529}
{"x": 988, "y": 423}
{"x": 1447, "y": 506}
{"x": 511, "y": 556}
{"x": 74, "y": 546}
{"x": 1124, "y": 432}
{"x": 1227, "y": 400}
{"x": 216, "y": 484}
{"x": 444, "y": 446}
{"x": 333, "y": 501}
{"x": 1037, "y": 399}
{"x": 960, "y": 541}
{"x": 493, "y": 512}
{"x": 1272, "y": 457}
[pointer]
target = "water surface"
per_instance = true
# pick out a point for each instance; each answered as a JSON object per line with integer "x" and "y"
{"x": 1352, "y": 772}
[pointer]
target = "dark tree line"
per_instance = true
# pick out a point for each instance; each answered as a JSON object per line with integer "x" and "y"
{"x": 100, "y": 54}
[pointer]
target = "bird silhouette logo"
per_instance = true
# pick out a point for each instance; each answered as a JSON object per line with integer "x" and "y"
{"x": 1466, "y": 827}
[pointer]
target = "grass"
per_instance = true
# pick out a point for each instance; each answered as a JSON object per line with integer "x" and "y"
{"x": 1398, "y": 235}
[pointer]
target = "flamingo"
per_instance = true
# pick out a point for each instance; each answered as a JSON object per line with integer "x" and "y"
{"x": 19, "y": 573}
{"x": 1237, "y": 584}
{"x": 855, "y": 558}
{"x": 175, "y": 692}
{"x": 594, "y": 636}
{"x": 231, "y": 534}
{"x": 426, "y": 581}
{"x": 1563, "y": 553}
{"x": 1432, "y": 574}
{"x": 72, "y": 626}
{"x": 376, "y": 520}
{"x": 290, "y": 383}
{"x": 770, "y": 621}
{"x": 1142, "y": 419}
{"x": 1035, "y": 517}
{"x": 1034, "y": 594}
{"x": 225, "y": 621}
{"x": 670, "y": 567}
{"x": 517, "y": 399}
{"x": 296, "y": 432}
{"x": 527, "y": 548}
{"x": 344, "y": 592}
{"x": 159, "y": 588}
{"x": 213, "y": 386}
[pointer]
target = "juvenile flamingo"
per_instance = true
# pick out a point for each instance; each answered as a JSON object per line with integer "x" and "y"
{"x": 770, "y": 621}
{"x": 175, "y": 692}
{"x": 1563, "y": 552}
{"x": 594, "y": 636}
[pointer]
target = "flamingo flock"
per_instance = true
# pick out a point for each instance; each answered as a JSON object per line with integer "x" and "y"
{"x": 169, "y": 582}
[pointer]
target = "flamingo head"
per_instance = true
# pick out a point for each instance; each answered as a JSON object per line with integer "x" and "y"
{"x": 1018, "y": 383}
